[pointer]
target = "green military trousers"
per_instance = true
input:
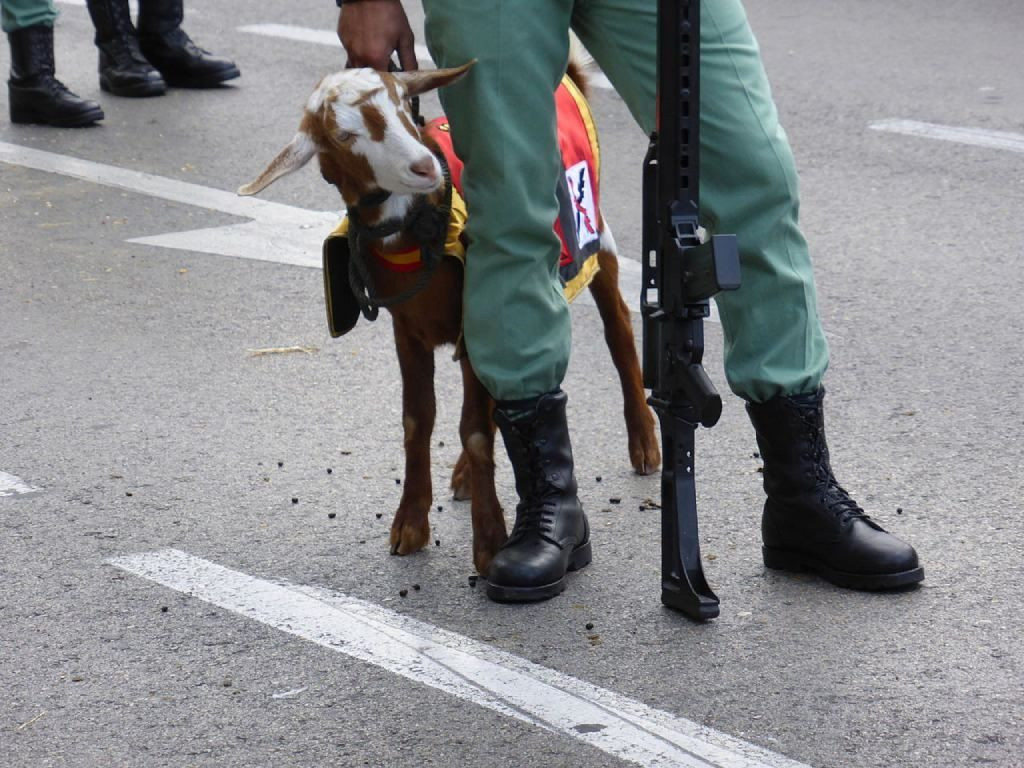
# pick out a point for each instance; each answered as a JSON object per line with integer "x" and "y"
{"x": 517, "y": 326}
{"x": 18, "y": 14}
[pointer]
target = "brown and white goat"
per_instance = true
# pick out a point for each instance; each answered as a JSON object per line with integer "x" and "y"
{"x": 360, "y": 126}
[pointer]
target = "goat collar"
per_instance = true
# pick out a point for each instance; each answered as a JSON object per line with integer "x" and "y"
{"x": 428, "y": 225}
{"x": 373, "y": 199}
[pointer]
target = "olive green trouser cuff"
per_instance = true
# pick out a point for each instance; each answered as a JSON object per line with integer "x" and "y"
{"x": 517, "y": 326}
{"x": 19, "y": 14}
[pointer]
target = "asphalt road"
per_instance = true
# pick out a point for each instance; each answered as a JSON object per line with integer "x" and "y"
{"x": 135, "y": 418}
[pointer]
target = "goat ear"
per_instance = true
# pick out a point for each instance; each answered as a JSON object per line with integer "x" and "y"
{"x": 295, "y": 155}
{"x": 422, "y": 81}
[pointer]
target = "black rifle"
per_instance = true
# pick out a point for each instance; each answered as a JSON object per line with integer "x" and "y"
{"x": 680, "y": 275}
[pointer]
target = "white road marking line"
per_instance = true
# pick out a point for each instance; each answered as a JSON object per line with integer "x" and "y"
{"x": 14, "y": 486}
{"x": 133, "y": 7}
{"x": 159, "y": 186}
{"x": 458, "y": 665}
{"x": 307, "y": 35}
{"x": 133, "y": 4}
{"x": 330, "y": 37}
{"x": 978, "y": 137}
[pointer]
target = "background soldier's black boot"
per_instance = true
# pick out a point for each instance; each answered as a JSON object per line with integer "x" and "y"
{"x": 810, "y": 522}
{"x": 182, "y": 63}
{"x": 124, "y": 71}
{"x": 34, "y": 94}
{"x": 551, "y": 535}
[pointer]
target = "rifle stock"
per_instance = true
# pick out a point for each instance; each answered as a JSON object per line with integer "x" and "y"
{"x": 681, "y": 272}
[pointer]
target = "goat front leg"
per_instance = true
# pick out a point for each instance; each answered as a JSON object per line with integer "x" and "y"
{"x": 410, "y": 530}
{"x": 462, "y": 484}
{"x": 644, "y": 453}
{"x": 476, "y": 428}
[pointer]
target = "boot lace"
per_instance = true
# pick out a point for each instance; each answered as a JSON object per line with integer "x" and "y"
{"x": 835, "y": 498}
{"x": 535, "y": 513}
{"x": 124, "y": 49}
{"x": 178, "y": 39}
{"x": 56, "y": 89}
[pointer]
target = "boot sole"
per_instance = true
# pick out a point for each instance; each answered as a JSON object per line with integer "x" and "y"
{"x": 137, "y": 91}
{"x": 580, "y": 558}
{"x": 80, "y": 120}
{"x": 788, "y": 560}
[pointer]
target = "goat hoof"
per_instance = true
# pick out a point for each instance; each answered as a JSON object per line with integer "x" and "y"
{"x": 406, "y": 539}
{"x": 645, "y": 468}
{"x": 485, "y": 547}
{"x": 644, "y": 453}
{"x": 646, "y": 461}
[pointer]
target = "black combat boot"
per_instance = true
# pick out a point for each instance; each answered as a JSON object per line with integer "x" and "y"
{"x": 810, "y": 522}
{"x": 124, "y": 71}
{"x": 182, "y": 63}
{"x": 34, "y": 94}
{"x": 551, "y": 535}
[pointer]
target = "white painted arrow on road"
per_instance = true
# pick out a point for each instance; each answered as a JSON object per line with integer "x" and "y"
{"x": 280, "y": 233}
{"x": 11, "y": 485}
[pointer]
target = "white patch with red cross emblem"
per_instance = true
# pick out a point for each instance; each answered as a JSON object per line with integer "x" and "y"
{"x": 584, "y": 211}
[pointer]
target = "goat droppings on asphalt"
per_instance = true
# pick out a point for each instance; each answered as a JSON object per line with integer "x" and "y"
{"x": 403, "y": 592}
{"x": 332, "y": 515}
{"x": 380, "y": 515}
{"x": 295, "y": 500}
{"x": 329, "y": 470}
{"x": 590, "y": 625}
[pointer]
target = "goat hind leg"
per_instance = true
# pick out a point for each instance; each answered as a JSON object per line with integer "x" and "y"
{"x": 477, "y": 431}
{"x": 462, "y": 484}
{"x": 644, "y": 454}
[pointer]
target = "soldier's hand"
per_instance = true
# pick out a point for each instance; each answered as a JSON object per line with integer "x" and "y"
{"x": 371, "y": 30}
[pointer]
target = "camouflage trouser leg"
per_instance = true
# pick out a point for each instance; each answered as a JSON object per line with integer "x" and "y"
{"x": 18, "y": 14}
{"x": 517, "y": 327}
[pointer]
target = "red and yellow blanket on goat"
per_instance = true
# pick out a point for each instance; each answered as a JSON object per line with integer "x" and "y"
{"x": 576, "y": 224}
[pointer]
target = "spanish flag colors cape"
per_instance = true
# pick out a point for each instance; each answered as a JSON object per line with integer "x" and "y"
{"x": 576, "y": 224}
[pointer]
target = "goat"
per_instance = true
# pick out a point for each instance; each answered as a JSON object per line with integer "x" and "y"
{"x": 360, "y": 125}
